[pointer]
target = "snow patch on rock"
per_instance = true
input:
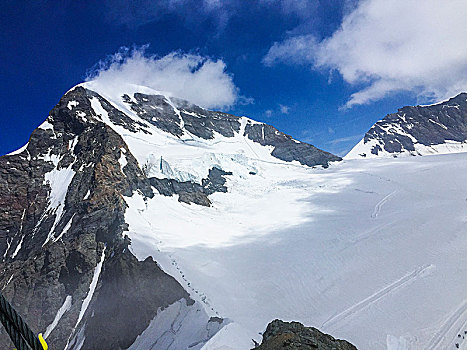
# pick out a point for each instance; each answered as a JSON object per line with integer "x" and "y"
{"x": 64, "y": 308}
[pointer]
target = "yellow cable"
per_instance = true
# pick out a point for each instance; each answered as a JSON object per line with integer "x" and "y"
{"x": 42, "y": 341}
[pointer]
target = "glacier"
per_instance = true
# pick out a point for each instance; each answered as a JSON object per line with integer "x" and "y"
{"x": 372, "y": 250}
{"x": 365, "y": 250}
{"x": 369, "y": 250}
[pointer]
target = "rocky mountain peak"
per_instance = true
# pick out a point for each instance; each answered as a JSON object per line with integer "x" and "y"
{"x": 66, "y": 260}
{"x": 417, "y": 130}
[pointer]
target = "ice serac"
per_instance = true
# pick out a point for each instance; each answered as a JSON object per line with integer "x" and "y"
{"x": 66, "y": 200}
{"x": 419, "y": 130}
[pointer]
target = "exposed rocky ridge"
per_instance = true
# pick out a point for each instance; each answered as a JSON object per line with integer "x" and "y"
{"x": 66, "y": 264}
{"x": 177, "y": 117}
{"x": 286, "y": 148}
{"x": 418, "y": 130}
{"x": 198, "y": 121}
{"x": 295, "y": 336}
{"x": 52, "y": 242}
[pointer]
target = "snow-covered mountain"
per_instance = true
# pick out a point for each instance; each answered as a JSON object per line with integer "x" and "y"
{"x": 134, "y": 220}
{"x": 421, "y": 130}
{"x": 87, "y": 182}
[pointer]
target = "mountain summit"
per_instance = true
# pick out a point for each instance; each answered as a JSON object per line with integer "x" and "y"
{"x": 420, "y": 130}
{"x": 136, "y": 220}
{"x": 71, "y": 205}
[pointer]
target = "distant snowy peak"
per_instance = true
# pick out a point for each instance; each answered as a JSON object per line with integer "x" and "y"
{"x": 420, "y": 130}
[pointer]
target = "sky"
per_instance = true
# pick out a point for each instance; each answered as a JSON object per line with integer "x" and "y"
{"x": 322, "y": 71}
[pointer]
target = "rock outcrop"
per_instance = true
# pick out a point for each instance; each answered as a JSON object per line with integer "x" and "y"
{"x": 66, "y": 263}
{"x": 295, "y": 336}
{"x": 418, "y": 130}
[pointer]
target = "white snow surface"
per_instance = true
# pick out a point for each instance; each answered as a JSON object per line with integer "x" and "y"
{"x": 19, "y": 150}
{"x": 122, "y": 160}
{"x": 372, "y": 251}
{"x": 46, "y": 125}
{"x": 187, "y": 157}
{"x": 72, "y": 104}
{"x": 59, "y": 181}
{"x": 179, "y": 326}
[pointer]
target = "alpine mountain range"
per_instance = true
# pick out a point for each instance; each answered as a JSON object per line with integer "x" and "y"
{"x": 133, "y": 219}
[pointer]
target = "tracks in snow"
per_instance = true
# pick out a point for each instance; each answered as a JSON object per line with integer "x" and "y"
{"x": 456, "y": 320}
{"x": 203, "y": 297}
{"x": 380, "y": 204}
{"x": 401, "y": 282}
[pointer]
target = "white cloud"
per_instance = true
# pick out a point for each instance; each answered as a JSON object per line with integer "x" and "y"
{"x": 388, "y": 46}
{"x": 200, "y": 80}
{"x": 298, "y": 49}
{"x": 284, "y": 109}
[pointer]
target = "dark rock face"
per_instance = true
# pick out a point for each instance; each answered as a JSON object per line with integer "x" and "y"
{"x": 64, "y": 258}
{"x": 295, "y": 336}
{"x": 424, "y": 125}
{"x": 173, "y": 118}
{"x": 215, "y": 181}
{"x": 50, "y": 252}
{"x": 286, "y": 148}
{"x": 169, "y": 187}
{"x": 177, "y": 115}
{"x": 204, "y": 123}
{"x": 191, "y": 192}
{"x": 164, "y": 117}
{"x": 127, "y": 297}
{"x": 118, "y": 117}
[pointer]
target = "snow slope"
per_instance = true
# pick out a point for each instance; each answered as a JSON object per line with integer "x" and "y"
{"x": 370, "y": 251}
{"x": 373, "y": 251}
{"x": 187, "y": 157}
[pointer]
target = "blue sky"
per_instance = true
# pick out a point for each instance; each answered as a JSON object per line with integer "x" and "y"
{"x": 321, "y": 71}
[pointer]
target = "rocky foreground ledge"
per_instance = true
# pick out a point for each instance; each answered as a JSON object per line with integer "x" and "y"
{"x": 295, "y": 336}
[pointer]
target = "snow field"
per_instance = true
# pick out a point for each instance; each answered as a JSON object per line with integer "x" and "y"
{"x": 376, "y": 250}
{"x": 372, "y": 251}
